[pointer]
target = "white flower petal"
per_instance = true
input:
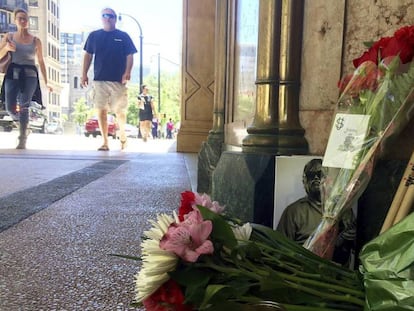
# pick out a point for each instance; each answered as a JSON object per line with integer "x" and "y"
{"x": 242, "y": 233}
{"x": 156, "y": 263}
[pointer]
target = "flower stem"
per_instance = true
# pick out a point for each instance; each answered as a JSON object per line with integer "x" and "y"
{"x": 259, "y": 273}
{"x": 307, "y": 262}
{"x": 300, "y": 280}
{"x": 334, "y": 297}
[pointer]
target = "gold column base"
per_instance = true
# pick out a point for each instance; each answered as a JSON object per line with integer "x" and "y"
{"x": 277, "y": 142}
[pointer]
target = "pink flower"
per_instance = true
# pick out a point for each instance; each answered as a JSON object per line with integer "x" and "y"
{"x": 189, "y": 239}
{"x": 205, "y": 200}
{"x": 190, "y": 200}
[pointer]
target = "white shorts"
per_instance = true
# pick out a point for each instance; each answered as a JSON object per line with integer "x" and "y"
{"x": 108, "y": 95}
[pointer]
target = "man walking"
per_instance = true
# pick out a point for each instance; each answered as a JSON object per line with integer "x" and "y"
{"x": 112, "y": 50}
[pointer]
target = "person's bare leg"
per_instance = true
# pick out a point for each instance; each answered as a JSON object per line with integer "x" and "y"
{"x": 145, "y": 128}
{"x": 142, "y": 129}
{"x": 121, "y": 116}
{"x": 103, "y": 125}
{"x": 148, "y": 125}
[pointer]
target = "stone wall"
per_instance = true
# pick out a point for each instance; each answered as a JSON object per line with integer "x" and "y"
{"x": 334, "y": 34}
{"x": 321, "y": 68}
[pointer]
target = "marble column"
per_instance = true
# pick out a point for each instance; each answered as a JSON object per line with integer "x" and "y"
{"x": 211, "y": 149}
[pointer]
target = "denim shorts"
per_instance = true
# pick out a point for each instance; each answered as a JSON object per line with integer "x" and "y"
{"x": 108, "y": 95}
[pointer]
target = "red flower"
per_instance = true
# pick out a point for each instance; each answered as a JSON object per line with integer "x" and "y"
{"x": 401, "y": 44}
{"x": 168, "y": 297}
{"x": 363, "y": 78}
{"x": 187, "y": 201}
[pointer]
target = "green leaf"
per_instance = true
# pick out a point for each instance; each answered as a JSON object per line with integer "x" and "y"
{"x": 137, "y": 258}
{"x": 227, "y": 306}
{"x": 246, "y": 249}
{"x": 272, "y": 283}
{"x": 211, "y": 291}
{"x": 221, "y": 229}
{"x": 194, "y": 281}
{"x": 217, "y": 294}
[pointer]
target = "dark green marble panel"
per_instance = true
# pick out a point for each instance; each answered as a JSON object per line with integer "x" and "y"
{"x": 244, "y": 182}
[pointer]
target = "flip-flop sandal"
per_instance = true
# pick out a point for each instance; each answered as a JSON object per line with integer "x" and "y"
{"x": 103, "y": 148}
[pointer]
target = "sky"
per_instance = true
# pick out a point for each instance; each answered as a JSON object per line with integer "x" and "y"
{"x": 160, "y": 20}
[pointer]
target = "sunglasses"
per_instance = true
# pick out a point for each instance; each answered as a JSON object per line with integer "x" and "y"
{"x": 313, "y": 175}
{"x": 108, "y": 15}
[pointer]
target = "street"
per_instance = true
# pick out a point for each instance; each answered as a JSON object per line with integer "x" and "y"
{"x": 36, "y": 141}
{"x": 49, "y": 156}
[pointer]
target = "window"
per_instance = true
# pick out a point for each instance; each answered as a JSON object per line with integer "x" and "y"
{"x": 33, "y": 23}
{"x": 33, "y": 3}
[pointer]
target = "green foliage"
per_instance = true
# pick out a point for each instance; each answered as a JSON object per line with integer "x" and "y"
{"x": 195, "y": 280}
{"x": 170, "y": 95}
{"x": 64, "y": 117}
{"x": 221, "y": 229}
{"x": 170, "y": 100}
{"x": 170, "y": 104}
{"x": 132, "y": 112}
{"x": 245, "y": 107}
{"x": 81, "y": 111}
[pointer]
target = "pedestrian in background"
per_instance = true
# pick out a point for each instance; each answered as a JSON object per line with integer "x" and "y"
{"x": 170, "y": 128}
{"x": 21, "y": 81}
{"x": 112, "y": 51}
{"x": 146, "y": 112}
{"x": 155, "y": 127}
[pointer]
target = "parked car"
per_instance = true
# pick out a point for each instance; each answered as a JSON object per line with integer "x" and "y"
{"x": 54, "y": 128}
{"x": 130, "y": 131}
{"x": 37, "y": 119}
{"x": 92, "y": 127}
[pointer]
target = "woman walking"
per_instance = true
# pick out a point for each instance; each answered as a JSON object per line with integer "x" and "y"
{"x": 146, "y": 112}
{"x": 21, "y": 82}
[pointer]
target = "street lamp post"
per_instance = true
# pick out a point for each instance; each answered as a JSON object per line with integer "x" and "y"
{"x": 159, "y": 76}
{"x": 159, "y": 83}
{"x": 140, "y": 47}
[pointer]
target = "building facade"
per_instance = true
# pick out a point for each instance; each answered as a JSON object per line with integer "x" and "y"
{"x": 71, "y": 56}
{"x": 44, "y": 21}
{"x": 44, "y": 18}
{"x": 6, "y": 14}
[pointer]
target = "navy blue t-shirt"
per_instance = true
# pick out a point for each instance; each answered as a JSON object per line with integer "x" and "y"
{"x": 110, "y": 49}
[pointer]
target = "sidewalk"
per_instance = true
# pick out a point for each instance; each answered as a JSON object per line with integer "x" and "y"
{"x": 84, "y": 206}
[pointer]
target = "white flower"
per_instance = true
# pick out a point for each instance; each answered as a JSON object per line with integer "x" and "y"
{"x": 156, "y": 263}
{"x": 242, "y": 233}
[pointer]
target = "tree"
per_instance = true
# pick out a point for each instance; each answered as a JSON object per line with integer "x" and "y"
{"x": 132, "y": 112}
{"x": 81, "y": 111}
{"x": 170, "y": 94}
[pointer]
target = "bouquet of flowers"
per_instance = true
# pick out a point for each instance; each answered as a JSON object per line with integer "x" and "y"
{"x": 201, "y": 259}
{"x": 376, "y": 102}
